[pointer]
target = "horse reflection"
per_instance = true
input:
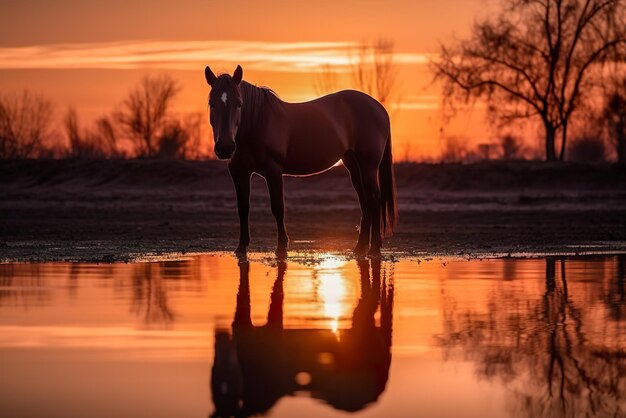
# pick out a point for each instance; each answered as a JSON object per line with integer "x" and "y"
{"x": 257, "y": 365}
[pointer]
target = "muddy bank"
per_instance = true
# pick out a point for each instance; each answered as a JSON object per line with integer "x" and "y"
{"x": 122, "y": 210}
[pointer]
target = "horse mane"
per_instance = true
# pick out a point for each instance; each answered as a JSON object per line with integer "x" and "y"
{"x": 257, "y": 101}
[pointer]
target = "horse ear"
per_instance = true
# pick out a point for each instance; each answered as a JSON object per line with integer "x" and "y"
{"x": 238, "y": 75}
{"x": 210, "y": 77}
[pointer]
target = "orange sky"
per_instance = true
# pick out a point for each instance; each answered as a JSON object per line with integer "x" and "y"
{"x": 88, "y": 54}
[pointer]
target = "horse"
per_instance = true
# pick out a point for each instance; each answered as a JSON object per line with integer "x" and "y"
{"x": 256, "y": 366}
{"x": 258, "y": 133}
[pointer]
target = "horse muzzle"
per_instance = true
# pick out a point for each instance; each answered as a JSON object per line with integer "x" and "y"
{"x": 224, "y": 149}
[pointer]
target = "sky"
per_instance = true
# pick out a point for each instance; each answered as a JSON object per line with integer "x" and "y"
{"x": 88, "y": 54}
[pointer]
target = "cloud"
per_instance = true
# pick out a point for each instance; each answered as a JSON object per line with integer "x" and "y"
{"x": 419, "y": 102}
{"x": 189, "y": 55}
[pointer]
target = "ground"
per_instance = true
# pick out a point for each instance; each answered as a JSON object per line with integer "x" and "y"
{"x": 79, "y": 210}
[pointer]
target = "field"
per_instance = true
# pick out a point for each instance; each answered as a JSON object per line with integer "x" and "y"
{"x": 110, "y": 210}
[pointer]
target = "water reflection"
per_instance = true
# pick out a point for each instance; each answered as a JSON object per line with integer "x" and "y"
{"x": 150, "y": 294}
{"x": 32, "y": 285}
{"x": 508, "y": 337}
{"x": 255, "y": 366}
{"x": 554, "y": 356}
{"x": 22, "y": 285}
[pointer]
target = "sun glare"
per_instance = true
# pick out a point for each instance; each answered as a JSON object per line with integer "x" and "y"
{"x": 332, "y": 289}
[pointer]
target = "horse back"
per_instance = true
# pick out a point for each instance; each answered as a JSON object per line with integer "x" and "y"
{"x": 321, "y": 131}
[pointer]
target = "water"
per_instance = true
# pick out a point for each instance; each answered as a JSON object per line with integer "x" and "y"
{"x": 208, "y": 336}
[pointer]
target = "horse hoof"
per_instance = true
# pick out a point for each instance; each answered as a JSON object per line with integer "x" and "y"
{"x": 281, "y": 253}
{"x": 241, "y": 250}
{"x": 374, "y": 252}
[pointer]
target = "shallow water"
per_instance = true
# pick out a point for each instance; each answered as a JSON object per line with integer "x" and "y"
{"x": 209, "y": 335}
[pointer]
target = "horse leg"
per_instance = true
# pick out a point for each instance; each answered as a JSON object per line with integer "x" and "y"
{"x": 274, "y": 181}
{"x": 275, "y": 313}
{"x": 241, "y": 179}
{"x": 243, "y": 317}
{"x": 352, "y": 165}
{"x": 372, "y": 193}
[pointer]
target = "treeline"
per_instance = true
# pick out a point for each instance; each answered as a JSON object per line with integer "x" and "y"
{"x": 587, "y": 147}
{"x": 143, "y": 125}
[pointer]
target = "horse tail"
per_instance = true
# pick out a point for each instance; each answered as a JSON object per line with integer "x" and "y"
{"x": 387, "y": 181}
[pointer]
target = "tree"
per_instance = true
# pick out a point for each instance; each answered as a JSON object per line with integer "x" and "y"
{"x": 614, "y": 116}
{"x": 173, "y": 142}
{"x": 587, "y": 149}
{"x": 195, "y": 126}
{"x": 373, "y": 70}
{"x": 25, "y": 124}
{"x": 511, "y": 147}
{"x": 144, "y": 113}
{"x": 534, "y": 59}
{"x": 453, "y": 149}
{"x": 551, "y": 354}
{"x": 326, "y": 80}
{"x": 97, "y": 142}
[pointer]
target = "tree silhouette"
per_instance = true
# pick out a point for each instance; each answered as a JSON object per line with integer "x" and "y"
{"x": 549, "y": 353}
{"x": 373, "y": 71}
{"x": 614, "y": 116}
{"x": 25, "y": 124}
{"x": 533, "y": 60}
{"x": 98, "y": 142}
{"x": 326, "y": 80}
{"x": 144, "y": 113}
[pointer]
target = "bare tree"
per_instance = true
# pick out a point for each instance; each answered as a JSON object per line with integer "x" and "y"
{"x": 587, "y": 149}
{"x": 553, "y": 354}
{"x": 79, "y": 146}
{"x": 195, "y": 126}
{"x": 144, "y": 113}
{"x": 374, "y": 70}
{"x": 326, "y": 80}
{"x": 614, "y": 117}
{"x": 511, "y": 147}
{"x": 108, "y": 136}
{"x": 534, "y": 59}
{"x": 406, "y": 149}
{"x": 97, "y": 142}
{"x": 182, "y": 137}
{"x": 25, "y": 124}
{"x": 173, "y": 141}
{"x": 453, "y": 149}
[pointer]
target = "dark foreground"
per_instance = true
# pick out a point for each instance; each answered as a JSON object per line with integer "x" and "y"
{"x": 213, "y": 336}
{"x": 125, "y": 210}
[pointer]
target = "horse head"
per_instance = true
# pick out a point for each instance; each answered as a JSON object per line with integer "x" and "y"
{"x": 225, "y": 102}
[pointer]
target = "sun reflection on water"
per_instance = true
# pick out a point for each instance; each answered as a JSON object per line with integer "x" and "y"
{"x": 331, "y": 288}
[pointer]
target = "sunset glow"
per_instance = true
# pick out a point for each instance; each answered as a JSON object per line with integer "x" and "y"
{"x": 92, "y": 70}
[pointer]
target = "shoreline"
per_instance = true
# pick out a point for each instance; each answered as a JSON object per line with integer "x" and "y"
{"x": 107, "y": 211}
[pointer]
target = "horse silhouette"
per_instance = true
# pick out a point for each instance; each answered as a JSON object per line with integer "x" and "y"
{"x": 255, "y": 366}
{"x": 259, "y": 133}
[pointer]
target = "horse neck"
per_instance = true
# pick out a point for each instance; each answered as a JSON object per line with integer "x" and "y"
{"x": 256, "y": 103}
